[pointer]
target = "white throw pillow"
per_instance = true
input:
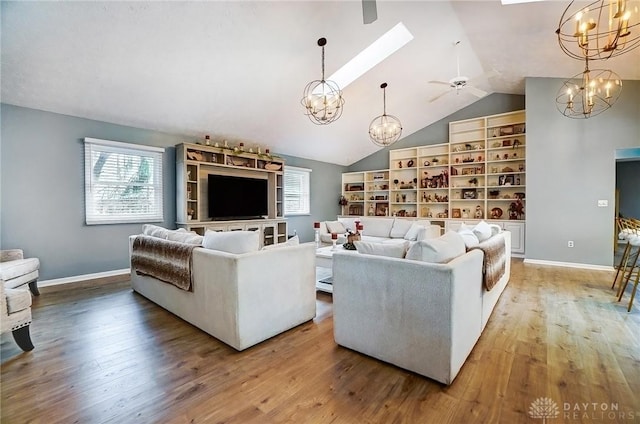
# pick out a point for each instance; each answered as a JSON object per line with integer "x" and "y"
{"x": 336, "y": 227}
{"x": 438, "y": 250}
{"x": 414, "y": 231}
{"x": 482, "y": 230}
{"x": 349, "y": 223}
{"x": 293, "y": 241}
{"x": 155, "y": 231}
{"x": 184, "y": 236}
{"x": 232, "y": 241}
{"x": 400, "y": 228}
{"x": 495, "y": 229}
{"x": 469, "y": 237}
{"x": 394, "y": 250}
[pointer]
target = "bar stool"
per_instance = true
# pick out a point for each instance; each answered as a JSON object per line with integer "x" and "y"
{"x": 634, "y": 268}
{"x": 626, "y": 228}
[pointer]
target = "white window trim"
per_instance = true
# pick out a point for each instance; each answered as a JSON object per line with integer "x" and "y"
{"x": 155, "y": 153}
{"x": 297, "y": 170}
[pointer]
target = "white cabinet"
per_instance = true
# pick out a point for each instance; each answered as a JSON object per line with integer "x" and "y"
{"x": 517, "y": 236}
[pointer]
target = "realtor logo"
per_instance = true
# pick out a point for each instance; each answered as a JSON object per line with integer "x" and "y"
{"x": 544, "y": 408}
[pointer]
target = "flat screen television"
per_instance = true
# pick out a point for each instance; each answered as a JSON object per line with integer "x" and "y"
{"x": 237, "y": 197}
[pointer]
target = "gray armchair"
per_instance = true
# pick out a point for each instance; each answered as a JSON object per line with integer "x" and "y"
{"x": 15, "y": 314}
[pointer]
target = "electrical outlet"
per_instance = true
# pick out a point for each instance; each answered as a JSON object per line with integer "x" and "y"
{"x": 570, "y": 243}
{"x": 603, "y": 203}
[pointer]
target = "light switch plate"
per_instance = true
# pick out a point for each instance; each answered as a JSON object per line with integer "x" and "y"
{"x": 603, "y": 203}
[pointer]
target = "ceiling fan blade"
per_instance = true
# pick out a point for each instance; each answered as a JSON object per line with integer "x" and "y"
{"x": 440, "y": 82}
{"x": 439, "y": 95}
{"x": 369, "y": 11}
{"x": 475, "y": 91}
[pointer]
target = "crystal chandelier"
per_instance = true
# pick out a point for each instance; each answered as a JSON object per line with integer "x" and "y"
{"x": 322, "y": 99}
{"x": 600, "y": 30}
{"x": 589, "y": 93}
{"x": 385, "y": 129}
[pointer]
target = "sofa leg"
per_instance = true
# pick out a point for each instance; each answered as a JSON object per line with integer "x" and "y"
{"x": 23, "y": 338}
{"x": 33, "y": 286}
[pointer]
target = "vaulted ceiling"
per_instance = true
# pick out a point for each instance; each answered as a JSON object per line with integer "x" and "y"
{"x": 236, "y": 70}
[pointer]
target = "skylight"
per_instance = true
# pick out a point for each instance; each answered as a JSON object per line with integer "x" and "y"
{"x": 379, "y": 50}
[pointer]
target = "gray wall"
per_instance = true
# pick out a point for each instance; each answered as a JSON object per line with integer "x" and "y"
{"x": 628, "y": 184}
{"x": 42, "y": 191}
{"x": 570, "y": 166}
{"x": 438, "y": 132}
{"x": 325, "y": 186}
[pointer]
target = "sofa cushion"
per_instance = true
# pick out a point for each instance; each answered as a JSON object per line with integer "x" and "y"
{"x": 439, "y": 250}
{"x": 293, "y": 241}
{"x": 336, "y": 227}
{"x": 482, "y": 230}
{"x": 400, "y": 228}
{"x": 232, "y": 241}
{"x": 394, "y": 250}
{"x": 377, "y": 227}
{"x": 18, "y": 268}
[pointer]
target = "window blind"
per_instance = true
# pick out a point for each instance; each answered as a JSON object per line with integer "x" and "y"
{"x": 123, "y": 182}
{"x": 296, "y": 191}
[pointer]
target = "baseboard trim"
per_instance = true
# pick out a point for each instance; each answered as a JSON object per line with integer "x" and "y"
{"x": 569, "y": 265}
{"x": 85, "y": 277}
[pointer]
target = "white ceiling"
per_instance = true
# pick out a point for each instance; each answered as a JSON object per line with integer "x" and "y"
{"x": 236, "y": 70}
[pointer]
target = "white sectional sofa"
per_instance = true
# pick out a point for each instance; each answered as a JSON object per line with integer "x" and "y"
{"x": 240, "y": 298}
{"x": 421, "y": 316}
{"x": 381, "y": 230}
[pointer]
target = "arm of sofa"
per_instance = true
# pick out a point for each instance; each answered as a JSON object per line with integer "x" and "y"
{"x": 420, "y": 316}
{"x": 254, "y": 296}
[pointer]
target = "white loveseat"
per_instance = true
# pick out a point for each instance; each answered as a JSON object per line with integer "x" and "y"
{"x": 380, "y": 230}
{"x": 424, "y": 317}
{"x": 241, "y": 299}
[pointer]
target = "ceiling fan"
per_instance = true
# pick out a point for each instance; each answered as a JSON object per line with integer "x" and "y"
{"x": 460, "y": 82}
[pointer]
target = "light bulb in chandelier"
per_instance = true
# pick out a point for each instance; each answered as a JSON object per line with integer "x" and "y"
{"x": 589, "y": 93}
{"x": 322, "y": 100}
{"x": 385, "y": 129}
{"x": 600, "y": 30}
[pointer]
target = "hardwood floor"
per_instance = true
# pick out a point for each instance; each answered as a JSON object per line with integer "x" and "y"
{"x": 105, "y": 354}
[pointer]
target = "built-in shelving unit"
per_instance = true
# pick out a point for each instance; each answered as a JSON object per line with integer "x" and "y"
{"x": 479, "y": 174}
{"x": 194, "y": 163}
{"x": 366, "y": 193}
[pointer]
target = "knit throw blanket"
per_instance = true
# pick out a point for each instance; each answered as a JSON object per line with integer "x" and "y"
{"x": 166, "y": 260}
{"x": 495, "y": 260}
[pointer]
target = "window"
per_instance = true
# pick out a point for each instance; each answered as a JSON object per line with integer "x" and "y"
{"x": 296, "y": 191}
{"x": 122, "y": 182}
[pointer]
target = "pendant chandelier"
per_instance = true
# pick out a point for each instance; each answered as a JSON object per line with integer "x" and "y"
{"x": 588, "y": 93}
{"x": 322, "y": 99}
{"x": 600, "y": 30}
{"x": 385, "y": 129}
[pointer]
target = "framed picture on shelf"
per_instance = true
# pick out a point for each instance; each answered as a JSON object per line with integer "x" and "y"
{"x": 455, "y": 213}
{"x": 508, "y": 180}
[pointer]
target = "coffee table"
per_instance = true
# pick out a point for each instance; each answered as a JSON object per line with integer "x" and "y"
{"x": 324, "y": 264}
